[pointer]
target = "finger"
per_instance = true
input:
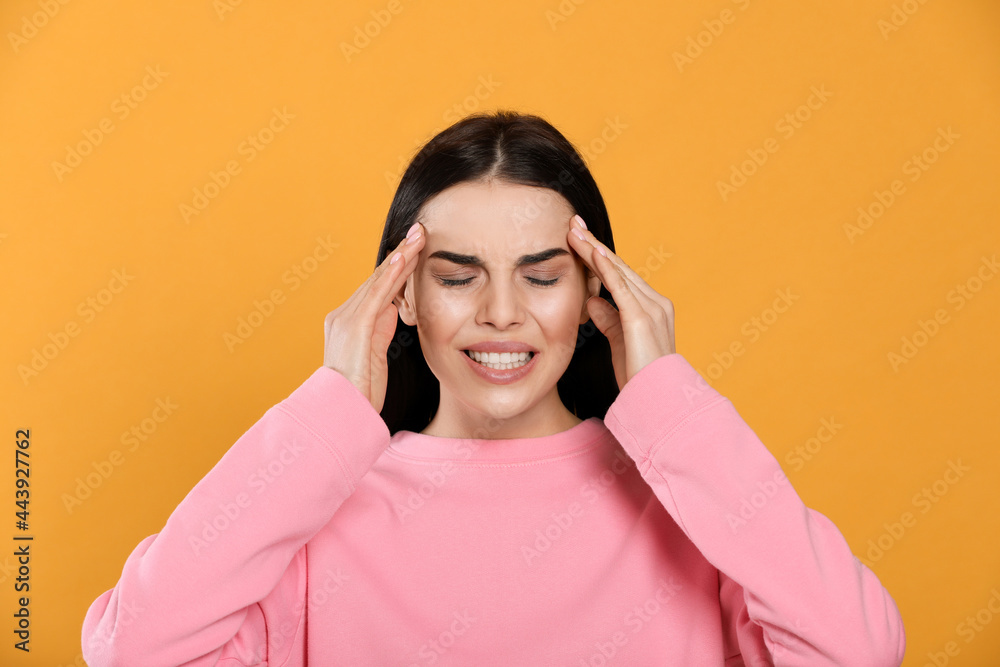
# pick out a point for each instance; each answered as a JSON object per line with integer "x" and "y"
{"x": 385, "y": 327}
{"x": 652, "y": 302}
{"x": 586, "y": 245}
{"x": 581, "y": 246}
{"x": 634, "y": 277}
{"x": 626, "y": 297}
{"x": 610, "y": 273}
{"x": 608, "y": 321}
{"x": 629, "y": 295}
{"x": 387, "y": 280}
{"x": 605, "y": 316}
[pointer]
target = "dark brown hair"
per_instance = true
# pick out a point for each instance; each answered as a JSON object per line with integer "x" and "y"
{"x": 520, "y": 149}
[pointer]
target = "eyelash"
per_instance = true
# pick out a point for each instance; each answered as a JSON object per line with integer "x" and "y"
{"x": 465, "y": 281}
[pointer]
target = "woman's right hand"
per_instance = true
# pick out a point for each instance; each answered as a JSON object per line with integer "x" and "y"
{"x": 359, "y": 331}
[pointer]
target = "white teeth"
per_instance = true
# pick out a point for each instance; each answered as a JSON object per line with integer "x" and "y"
{"x": 501, "y": 360}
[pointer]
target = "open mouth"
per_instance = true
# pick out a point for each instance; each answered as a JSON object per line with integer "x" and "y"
{"x": 500, "y": 360}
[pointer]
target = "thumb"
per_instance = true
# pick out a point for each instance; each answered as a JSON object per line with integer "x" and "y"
{"x": 385, "y": 327}
{"x": 604, "y": 315}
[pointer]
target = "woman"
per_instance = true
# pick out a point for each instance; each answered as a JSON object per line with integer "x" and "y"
{"x": 502, "y": 461}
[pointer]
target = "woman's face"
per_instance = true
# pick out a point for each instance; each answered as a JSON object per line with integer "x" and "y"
{"x": 496, "y": 267}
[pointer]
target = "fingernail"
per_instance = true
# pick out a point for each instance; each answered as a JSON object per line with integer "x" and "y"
{"x": 580, "y": 220}
{"x": 601, "y": 250}
{"x": 413, "y": 228}
{"x": 395, "y": 257}
{"x": 578, "y": 234}
{"x": 413, "y": 239}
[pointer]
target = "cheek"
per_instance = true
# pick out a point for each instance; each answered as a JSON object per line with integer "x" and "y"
{"x": 439, "y": 313}
{"x": 559, "y": 315}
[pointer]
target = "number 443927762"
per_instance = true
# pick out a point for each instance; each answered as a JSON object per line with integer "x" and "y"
{"x": 22, "y": 472}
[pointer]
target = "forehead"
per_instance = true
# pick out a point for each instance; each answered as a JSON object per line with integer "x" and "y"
{"x": 477, "y": 214}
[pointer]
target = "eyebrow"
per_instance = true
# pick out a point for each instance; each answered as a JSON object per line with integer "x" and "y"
{"x": 473, "y": 260}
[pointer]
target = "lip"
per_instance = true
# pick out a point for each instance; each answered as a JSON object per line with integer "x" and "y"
{"x": 501, "y": 346}
{"x": 497, "y": 376}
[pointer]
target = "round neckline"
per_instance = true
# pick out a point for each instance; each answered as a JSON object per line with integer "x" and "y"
{"x": 420, "y": 446}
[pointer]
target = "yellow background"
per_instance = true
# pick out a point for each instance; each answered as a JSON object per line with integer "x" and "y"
{"x": 659, "y": 137}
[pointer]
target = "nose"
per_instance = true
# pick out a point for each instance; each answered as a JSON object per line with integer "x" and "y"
{"x": 500, "y": 305}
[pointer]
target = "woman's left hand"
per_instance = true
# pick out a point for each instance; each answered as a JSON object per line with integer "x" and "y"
{"x": 642, "y": 328}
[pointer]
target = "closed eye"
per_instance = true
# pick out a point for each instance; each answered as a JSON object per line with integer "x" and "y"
{"x": 449, "y": 282}
{"x": 453, "y": 283}
{"x": 545, "y": 283}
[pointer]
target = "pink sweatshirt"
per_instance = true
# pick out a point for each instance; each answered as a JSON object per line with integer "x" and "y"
{"x": 665, "y": 534}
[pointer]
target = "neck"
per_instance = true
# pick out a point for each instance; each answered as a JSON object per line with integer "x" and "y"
{"x": 454, "y": 419}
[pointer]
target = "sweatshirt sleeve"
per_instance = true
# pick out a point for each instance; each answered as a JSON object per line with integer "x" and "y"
{"x": 224, "y": 581}
{"x": 790, "y": 590}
